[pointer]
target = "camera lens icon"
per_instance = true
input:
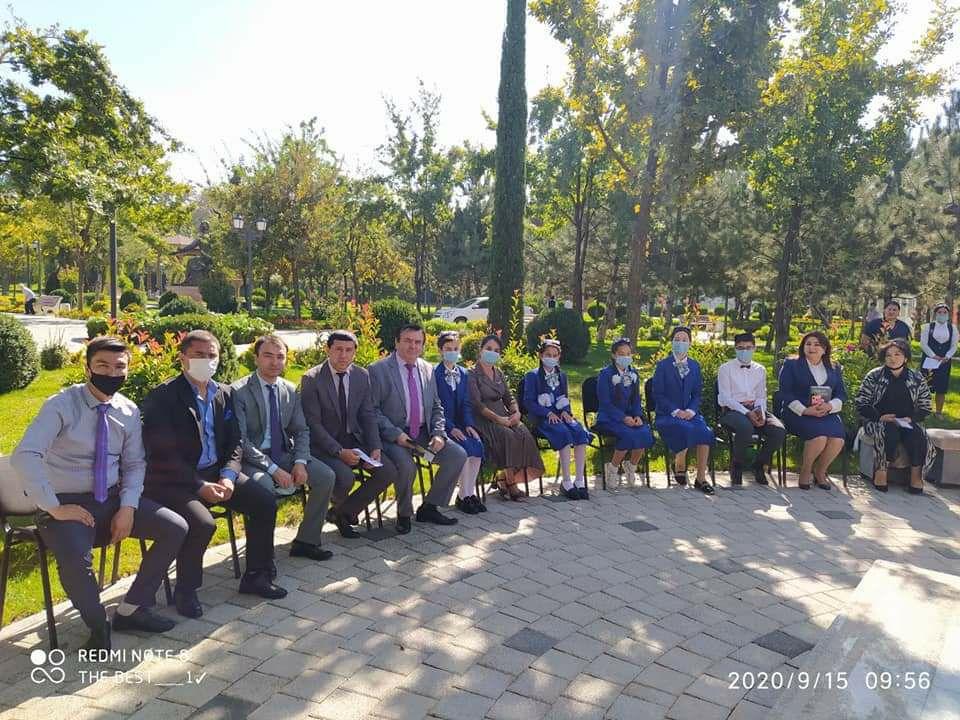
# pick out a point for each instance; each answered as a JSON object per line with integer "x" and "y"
{"x": 40, "y": 674}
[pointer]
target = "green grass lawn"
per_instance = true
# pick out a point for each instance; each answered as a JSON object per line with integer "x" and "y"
{"x": 18, "y": 408}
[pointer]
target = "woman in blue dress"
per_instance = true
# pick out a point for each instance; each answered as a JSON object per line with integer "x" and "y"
{"x": 620, "y": 414}
{"x": 677, "y": 388}
{"x": 811, "y": 412}
{"x": 451, "y": 381}
{"x": 547, "y": 404}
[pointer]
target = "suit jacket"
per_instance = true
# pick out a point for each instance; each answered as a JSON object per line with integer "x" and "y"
{"x": 457, "y": 405}
{"x": 318, "y": 395}
{"x": 796, "y": 381}
{"x": 670, "y": 392}
{"x": 171, "y": 433}
{"x": 388, "y": 399}
{"x": 248, "y": 402}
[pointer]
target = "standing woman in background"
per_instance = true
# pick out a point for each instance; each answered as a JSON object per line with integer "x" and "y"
{"x": 938, "y": 340}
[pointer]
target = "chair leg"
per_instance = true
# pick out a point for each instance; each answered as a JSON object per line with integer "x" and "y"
{"x": 712, "y": 465}
{"x": 526, "y": 482}
{"x": 603, "y": 474}
{"x": 423, "y": 491}
{"x": 376, "y": 503}
{"x": 5, "y": 569}
{"x": 47, "y": 595}
{"x": 103, "y": 567}
{"x": 646, "y": 466}
{"x": 116, "y": 564}
{"x": 366, "y": 517}
{"x": 233, "y": 544}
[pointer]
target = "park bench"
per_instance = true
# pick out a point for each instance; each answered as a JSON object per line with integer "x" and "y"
{"x": 49, "y": 304}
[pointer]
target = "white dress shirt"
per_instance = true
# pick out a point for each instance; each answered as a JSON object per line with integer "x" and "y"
{"x": 819, "y": 373}
{"x": 267, "y": 437}
{"x": 940, "y": 333}
{"x": 738, "y": 383}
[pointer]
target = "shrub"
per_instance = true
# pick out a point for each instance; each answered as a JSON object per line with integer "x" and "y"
{"x": 477, "y": 326}
{"x": 182, "y": 305}
{"x": 392, "y": 315}
{"x": 218, "y": 293}
{"x": 97, "y": 326}
{"x": 515, "y": 362}
{"x": 133, "y": 309}
{"x": 132, "y": 297}
{"x": 124, "y": 282}
{"x": 470, "y": 346}
{"x": 595, "y": 310}
{"x": 166, "y": 297}
{"x": 99, "y": 306}
{"x": 54, "y": 355}
{"x": 64, "y": 295}
{"x": 91, "y": 297}
{"x": 178, "y": 325}
{"x": 567, "y": 326}
{"x": 19, "y": 363}
{"x": 245, "y": 329}
{"x": 434, "y": 326}
{"x": 259, "y": 297}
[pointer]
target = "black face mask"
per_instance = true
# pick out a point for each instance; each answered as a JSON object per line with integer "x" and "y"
{"x": 107, "y": 384}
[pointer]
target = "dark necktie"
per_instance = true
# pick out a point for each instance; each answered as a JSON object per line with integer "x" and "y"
{"x": 100, "y": 456}
{"x": 342, "y": 403}
{"x": 276, "y": 432}
{"x": 415, "y": 403}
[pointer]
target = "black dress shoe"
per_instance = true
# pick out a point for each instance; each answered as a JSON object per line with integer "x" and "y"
{"x": 344, "y": 526}
{"x": 584, "y": 493}
{"x": 403, "y": 525}
{"x": 188, "y": 604}
{"x": 259, "y": 583}
{"x": 704, "y": 487}
{"x": 736, "y": 475}
{"x": 571, "y": 494}
{"x": 760, "y": 475}
{"x": 881, "y": 488}
{"x": 99, "y": 638}
{"x": 429, "y": 513}
{"x": 480, "y": 505}
{"x": 143, "y": 619}
{"x": 466, "y": 505}
{"x": 914, "y": 490}
{"x": 680, "y": 477}
{"x": 332, "y": 517}
{"x": 314, "y": 552}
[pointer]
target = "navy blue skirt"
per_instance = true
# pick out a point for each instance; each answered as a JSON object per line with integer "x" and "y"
{"x": 807, "y": 427}
{"x": 471, "y": 445}
{"x": 561, "y": 434}
{"x": 627, "y": 438}
{"x": 939, "y": 379}
{"x": 680, "y": 434}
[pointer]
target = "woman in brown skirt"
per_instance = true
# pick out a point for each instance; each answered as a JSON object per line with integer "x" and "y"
{"x": 507, "y": 442}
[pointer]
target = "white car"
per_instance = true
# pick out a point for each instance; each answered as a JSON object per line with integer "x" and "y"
{"x": 475, "y": 309}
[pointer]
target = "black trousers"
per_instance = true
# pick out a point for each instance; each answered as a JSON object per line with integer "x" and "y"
{"x": 28, "y": 307}
{"x": 912, "y": 439}
{"x": 72, "y": 545}
{"x": 772, "y": 433}
{"x": 258, "y": 506}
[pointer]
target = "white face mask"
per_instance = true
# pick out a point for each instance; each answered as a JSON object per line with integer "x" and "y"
{"x": 202, "y": 369}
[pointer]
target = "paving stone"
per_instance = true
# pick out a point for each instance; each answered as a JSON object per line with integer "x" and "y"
{"x": 783, "y": 643}
{"x": 651, "y": 695}
{"x": 539, "y": 685}
{"x": 287, "y": 664}
{"x": 946, "y": 552}
{"x": 462, "y": 705}
{"x": 560, "y": 664}
{"x": 530, "y": 641}
{"x": 726, "y": 566}
{"x": 613, "y": 669}
{"x": 593, "y": 690}
{"x": 373, "y": 681}
{"x": 484, "y": 681}
{"x": 403, "y": 705}
{"x": 707, "y": 646}
{"x": 507, "y": 660}
{"x": 626, "y": 707}
{"x": 691, "y": 708}
{"x": 758, "y": 657}
{"x": 254, "y": 687}
{"x": 569, "y": 709}
{"x": 343, "y": 705}
{"x": 639, "y": 526}
{"x": 836, "y": 514}
{"x": 452, "y": 658}
{"x": 226, "y": 707}
{"x": 341, "y": 662}
{"x": 684, "y": 661}
{"x": 511, "y": 706}
{"x": 664, "y": 678}
{"x": 281, "y": 707}
{"x": 313, "y": 685}
{"x": 429, "y": 681}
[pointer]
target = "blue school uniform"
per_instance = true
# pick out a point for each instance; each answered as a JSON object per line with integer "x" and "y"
{"x": 618, "y": 396}
{"x": 545, "y": 393}
{"x": 457, "y": 407}
{"x": 673, "y": 392}
{"x": 795, "y": 383}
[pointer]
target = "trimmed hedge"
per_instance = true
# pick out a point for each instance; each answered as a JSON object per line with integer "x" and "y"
{"x": 19, "y": 360}
{"x": 218, "y": 293}
{"x": 182, "y": 305}
{"x": 229, "y": 369}
{"x": 166, "y": 297}
{"x": 393, "y": 314}
{"x": 132, "y": 297}
{"x": 567, "y": 326}
{"x": 97, "y": 326}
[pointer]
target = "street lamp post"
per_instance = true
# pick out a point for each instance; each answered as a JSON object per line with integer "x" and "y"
{"x": 261, "y": 225}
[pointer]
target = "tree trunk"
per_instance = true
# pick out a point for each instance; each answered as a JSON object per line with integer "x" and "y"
{"x": 296, "y": 289}
{"x": 791, "y": 243}
{"x": 640, "y": 241}
{"x": 610, "y": 311}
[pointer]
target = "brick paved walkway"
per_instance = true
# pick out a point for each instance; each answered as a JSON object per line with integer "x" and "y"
{"x": 637, "y": 604}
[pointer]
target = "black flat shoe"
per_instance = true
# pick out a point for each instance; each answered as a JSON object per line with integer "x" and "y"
{"x": 760, "y": 475}
{"x": 479, "y": 503}
{"x": 704, "y": 487}
{"x": 143, "y": 619}
{"x": 188, "y": 604}
{"x": 882, "y": 488}
{"x": 314, "y": 552}
{"x": 345, "y": 527}
{"x": 403, "y": 525}
{"x": 914, "y": 490}
{"x": 805, "y": 487}
{"x": 681, "y": 478}
{"x": 99, "y": 638}
{"x": 466, "y": 505}
{"x": 429, "y": 513}
{"x": 584, "y": 493}
{"x": 260, "y": 584}
{"x": 571, "y": 494}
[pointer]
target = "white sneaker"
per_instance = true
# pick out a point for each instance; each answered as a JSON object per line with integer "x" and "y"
{"x": 630, "y": 470}
{"x": 611, "y": 474}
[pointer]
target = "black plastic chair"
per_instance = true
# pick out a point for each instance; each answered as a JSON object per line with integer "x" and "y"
{"x": 591, "y": 406}
{"x": 542, "y": 443}
{"x": 650, "y": 408}
{"x": 725, "y": 437}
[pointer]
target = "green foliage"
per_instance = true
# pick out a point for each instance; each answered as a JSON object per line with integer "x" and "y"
{"x": 855, "y": 363}
{"x": 99, "y": 306}
{"x": 218, "y": 293}
{"x": 258, "y": 297}
{"x": 65, "y": 295}
{"x": 154, "y": 363}
{"x": 54, "y": 355}
{"x": 362, "y": 322}
{"x": 178, "y": 325}
{"x": 565, "y": 325}
{"x": 470, "y": 346}
{"x": 434, "y": 326}
{"x": 595, "y": 310}
{"x": 515, "y": 362}
{"x": 245, "y": 329}
{"x": 166, "y": 297}
{"x": 182, "y": 305}
{"x": 19, "y": 363}
{"x": 97, "y": 326}
{"x": 393, "y": 314}
{"x": 132, "y": 297}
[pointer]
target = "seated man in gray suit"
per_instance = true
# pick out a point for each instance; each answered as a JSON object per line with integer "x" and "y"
{"x": 276, "y": 442}
{"x": 337, "y": 404}
{"x": 411, "y": 418}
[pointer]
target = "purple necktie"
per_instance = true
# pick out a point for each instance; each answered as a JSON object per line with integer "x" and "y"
{"x": 100, "y": 456}
{"x": 415, "y": 401}
{"x": 276, "y": 432}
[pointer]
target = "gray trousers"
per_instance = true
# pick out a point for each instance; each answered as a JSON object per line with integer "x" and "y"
{"x": 773, "y": 435}
{"x": 450, "y": 462}
{"x": 320, "y": 480}
{"x": 72, "y": 544}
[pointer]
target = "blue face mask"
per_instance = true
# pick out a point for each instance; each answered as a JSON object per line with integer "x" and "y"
{"x": 490, "y": 357}
{"x": 550, "y": 362}
{"x": 745, "y": 356}
{"x": 451, "y": 356}
{"x": 622, "y": 361}
{"x": 680, "y": 347}
{"x": 941, "y": 318}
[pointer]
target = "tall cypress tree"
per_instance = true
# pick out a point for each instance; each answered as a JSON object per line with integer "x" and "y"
{"x": 509, "y": 198}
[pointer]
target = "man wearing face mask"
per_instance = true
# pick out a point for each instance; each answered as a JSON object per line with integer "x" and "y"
{"x": 82, "y": 462}
{"x": 938, "y": 340}
{"x": 194, "y": 454}
{"x": 742, "y": 397}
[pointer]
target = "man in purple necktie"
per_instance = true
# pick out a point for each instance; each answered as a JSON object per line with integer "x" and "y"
{"x": 411, "y": 421}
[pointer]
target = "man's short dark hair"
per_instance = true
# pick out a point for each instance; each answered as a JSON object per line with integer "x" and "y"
{"x": 447, "y": 336}
{"x": 410, "y": 327}
{"x": 198, "y": 336}
{"x": 619, "y": 343}
{"x": 271, "y": 339}
{"x": 106, "y": 343}
{"x": 342, "y": 335}
{"x": 899, "y": 343}
{"x": 744, "y": 337}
